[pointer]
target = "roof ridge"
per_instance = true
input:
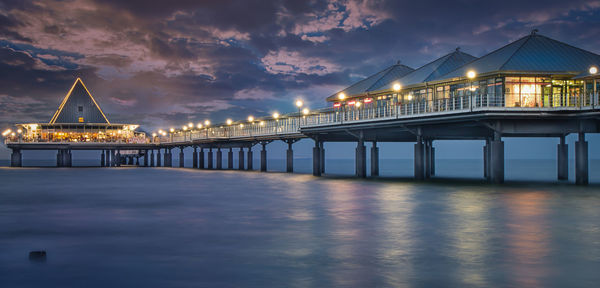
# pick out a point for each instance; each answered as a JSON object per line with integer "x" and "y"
{"x": 567, "y": 44}
{"x": 62, "y": 105}
{"x": 513, "y": 54}
{"x": 448, "y": 56}
{"x": 384, "y": 74}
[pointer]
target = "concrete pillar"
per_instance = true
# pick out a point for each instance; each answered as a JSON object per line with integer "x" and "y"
{"x": 322, "y": 155}
{"x": 563, "y": 159}
{"x": 137, "y": 160}
{"x": 151, "y": 157}
{"x": 210, "y": 159}
{"x": 146, "y": 158}
{"x": 201, "y": 158}
{"x": 181, "y": 157}
{"x": 195, "y": 158}
{"x": 107, "y": 161}
{"x": 230, "y": 159}
{"x": 113, "y": 158}
{"x": 59, "y": 158}
{"x": 316, "y": 159}
{"x": 118, "y": 158}
{"x": 241, "y": 159}
{"x": 166, "y": 158}
{"x": 374, "y": 160}
{"x": 581, "y": 161}
{"x": 497, "y": 160}
{"x": 263, "y": 157}
{"x": 250, "y": 162}
{"x": 102, "y": 159}
{"x": 361, "y": 159}
{"x": 432, "y": 164}
{"x": 427, "y": 158}
{"x": 158, "y": 158}
{"x": 16, "y": 159}
{"x": 289, "y": 159}
{"x": 68, "y": 157}
{"x": 419, "y": 159}
{"x": 219, "y": 159}
{"x": 486, "y": 160}
{"x": 170, "y": 157}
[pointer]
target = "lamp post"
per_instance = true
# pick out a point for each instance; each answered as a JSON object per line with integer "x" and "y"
{"x": 299, "y": 104}
{"x": 471, "y": 75}
{"x": 593, "y": 71}
{"x": 206, "y": 124}
{"x": 341, "y": 97}
{"x": 396, "y": 88}
{"x": 229, "y": 121}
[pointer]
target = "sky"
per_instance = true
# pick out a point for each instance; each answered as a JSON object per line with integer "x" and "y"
{"x": 162, "y": 64}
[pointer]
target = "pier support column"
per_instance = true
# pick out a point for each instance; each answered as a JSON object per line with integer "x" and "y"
{"x": 181, "y": 157}
{"x": 487, "y": 155}
{"x": 137, "y": 160}
{"x": 146, "y": 155}
{"x": 166, "y": 158}
{"x": 118, "y": 158}
{"x": 374, "y": 160}
{"x": 316, "y": 159}
{"x": 419, "y": 159}
{"x": 106, "y": 154}
{"x": 151, "y": 157}
{"x": 581, "y": 161}
{"x": 289, "y": 157}
{"x": 250, "y": 162}
{"x": 158, "y": 158}
{"x": 201, "y": 158}
{"x": 102, "y": 159}
{"x": 210, "y": 159}
{"x": 59, "y": 158}
{"x": 241, "y": 159}
{"x": 16, "y": 159}
{"x": 230, "y": 159}
{"x": 563, "y": 159}
{"x": 68, "y": 158}
{"x": 497, "y": 159}
{"x": 113, "y": 158}
{"x": 322, "y": 156}
{"x": 427, "y": 159}
{"x": 432, "y": 163}
{"x": 219, "y": 159}
{"x": 361, "y": 159}
{"x": 195, "y": 158}
{"x": 263, "y": 157}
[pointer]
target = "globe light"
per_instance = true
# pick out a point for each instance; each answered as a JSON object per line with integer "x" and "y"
{"x": 172, "y": 130}
{"x": 241, "y": 125}
{"x": 250, "y": 118}
{"x": 153, "y": 134}
{"x": 184, "y": 127}
{"x": 299, "y": 103}
{"x": 305, "y": 111}
{"x": 358, "y": 104}
{"x": 397, "y": 87}
{"x": 471, "y": 74}
{"x": 262, "y": 123}
{"x": 229, "y": 121}
{"x": 593, "y": 70}
{"x": 19, "y": 131}
{"x": 410, "y": 97}
{"x": 342, "y": 96}
{"x": 206, "y": 123}
{"x": 275, "y": 115}
{"x": 191, "y": 125}
{"x": 199, "y": 125}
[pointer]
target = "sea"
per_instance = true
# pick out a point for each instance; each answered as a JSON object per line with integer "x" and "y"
{"x": 184, "y": 227}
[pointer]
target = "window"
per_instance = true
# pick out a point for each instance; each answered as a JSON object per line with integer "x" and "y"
{"x": 80, "y": 108}
{"x": 80, "y": 119}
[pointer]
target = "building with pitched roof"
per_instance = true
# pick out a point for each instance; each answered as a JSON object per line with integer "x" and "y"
{"x": 79, "y": 118}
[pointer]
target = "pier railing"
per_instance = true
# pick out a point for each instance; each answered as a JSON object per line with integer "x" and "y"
{"x": 289, "y": 125}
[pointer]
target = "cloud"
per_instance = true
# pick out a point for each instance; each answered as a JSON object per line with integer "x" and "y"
{"x": 293, "y": 62}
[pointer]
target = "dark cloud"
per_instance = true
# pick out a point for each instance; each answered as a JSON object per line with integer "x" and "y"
{"x": 164, "y": 63}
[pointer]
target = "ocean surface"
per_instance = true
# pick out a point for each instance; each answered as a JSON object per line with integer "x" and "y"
{"x": 173, "y": 227}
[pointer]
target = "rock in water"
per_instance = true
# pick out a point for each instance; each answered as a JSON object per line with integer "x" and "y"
{"x": 37, "y": 256}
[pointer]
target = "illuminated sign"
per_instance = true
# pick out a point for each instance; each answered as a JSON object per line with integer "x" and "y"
{"x": 337, "y": 104}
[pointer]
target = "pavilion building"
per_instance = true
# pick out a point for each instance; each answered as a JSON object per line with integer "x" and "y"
{"x": 79, "y": 118}
{"x": 532, "y": 72}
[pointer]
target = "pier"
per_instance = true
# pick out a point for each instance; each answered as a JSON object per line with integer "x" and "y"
{"x": 506, "y": 93}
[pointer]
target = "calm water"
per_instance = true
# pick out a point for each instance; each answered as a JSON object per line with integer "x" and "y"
{"x": 170, "y": 227}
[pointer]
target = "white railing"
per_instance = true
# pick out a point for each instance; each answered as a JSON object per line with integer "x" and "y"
{"x": 290, "y": 124}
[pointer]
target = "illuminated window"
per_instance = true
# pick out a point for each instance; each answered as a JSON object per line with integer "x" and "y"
{"x": 80, "y": 119}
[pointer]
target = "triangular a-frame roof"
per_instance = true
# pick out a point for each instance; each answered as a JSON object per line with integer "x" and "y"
{"x": 533, "y": 53}
{"x": 79, "y": 106}
{"x": 361, "y": 87}
{"x": 427, "y": 72}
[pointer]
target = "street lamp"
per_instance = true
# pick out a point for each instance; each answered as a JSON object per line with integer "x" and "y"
{"x": 397, "y": 87}
{"x": 250, "y": 119}
{"x": 471, "y": 75}
{"x": 342, "y": 96}
{"x": 593, "y": 70}
{"x": 229, "y": 121}
{"x": 191, "y": 125}
{"x": 276, "y": 115}
{"x": 299, "y": 103}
